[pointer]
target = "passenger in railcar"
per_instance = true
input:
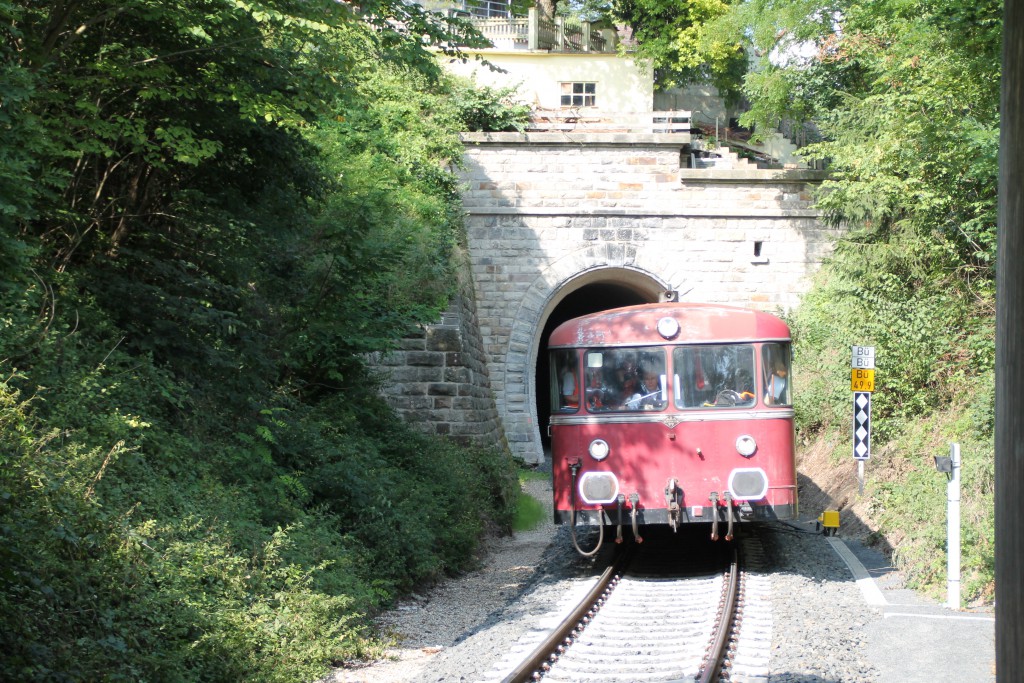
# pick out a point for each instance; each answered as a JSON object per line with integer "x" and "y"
{"x": 776, "y": 379}
{"x": 625, "y": 382}
{"x": 598, "y": 392}
{"x": 568, "y": 385}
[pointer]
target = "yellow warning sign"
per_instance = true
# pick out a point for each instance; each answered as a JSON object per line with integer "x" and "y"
{"x": 862, "y": 380}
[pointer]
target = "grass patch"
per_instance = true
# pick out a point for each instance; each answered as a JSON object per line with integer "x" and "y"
{"x": 526, "y": 475}
{"x": 529, "y": 512}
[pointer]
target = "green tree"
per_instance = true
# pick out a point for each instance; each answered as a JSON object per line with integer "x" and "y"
{"x": 680, "y": 42}
{"x": 904, "y": 99}
{"x": 211, "y": 212}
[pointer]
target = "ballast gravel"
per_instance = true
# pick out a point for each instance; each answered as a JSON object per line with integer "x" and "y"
{"x": 468, "y": 628}
{"x": 818, "y": 613}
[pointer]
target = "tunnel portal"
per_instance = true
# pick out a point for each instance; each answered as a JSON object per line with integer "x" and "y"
{"x": 590, "y": 298}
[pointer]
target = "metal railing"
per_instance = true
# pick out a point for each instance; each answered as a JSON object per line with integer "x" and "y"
{"x": 480, "y": 9}
{"x": 582, "y": 120}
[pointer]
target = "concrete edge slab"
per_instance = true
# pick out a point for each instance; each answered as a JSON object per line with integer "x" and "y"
{"x": 872, "y": 594}
{"x": 954, "y": 615}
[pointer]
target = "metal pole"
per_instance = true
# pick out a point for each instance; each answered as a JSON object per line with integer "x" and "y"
{"x": 953, "y": 531}
{"x": 860, "y": 477}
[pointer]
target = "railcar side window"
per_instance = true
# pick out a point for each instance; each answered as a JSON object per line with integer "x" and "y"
{"x": 775, "y": 364}
{"x": 714, "y": 376}
{"x": 625, "y": 379}
{"x": 565, "y": 385}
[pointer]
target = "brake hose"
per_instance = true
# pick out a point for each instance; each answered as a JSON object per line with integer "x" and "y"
{"x": 575, "y": 468}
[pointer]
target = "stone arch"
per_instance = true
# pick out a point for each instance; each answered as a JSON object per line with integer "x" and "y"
{"x": 600, "y": 263}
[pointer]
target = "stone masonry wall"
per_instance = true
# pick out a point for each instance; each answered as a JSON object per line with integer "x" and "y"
{"x": 551, "y": 213}
{"x": 439, "y": 377}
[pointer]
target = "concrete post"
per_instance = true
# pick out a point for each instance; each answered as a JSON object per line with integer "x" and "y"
{"x": 953, "y": 531}
{"x": 533, "y": 33}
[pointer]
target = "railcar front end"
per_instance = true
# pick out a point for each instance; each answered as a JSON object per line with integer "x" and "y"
{"x": 670, "y": 414}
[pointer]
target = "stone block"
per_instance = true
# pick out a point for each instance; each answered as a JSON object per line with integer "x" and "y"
{"x": 410, "y": 403}
{"x": 442, "y": 389}
{"x": 424, "y": 358}
{"x": 443, "y": 339}
{"x": 409, "y": 374}
{"x": 412, "y": 389}
{"x": 457, "y": 375}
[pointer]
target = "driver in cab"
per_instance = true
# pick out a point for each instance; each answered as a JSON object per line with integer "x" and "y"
{"x": 649, "y": 396}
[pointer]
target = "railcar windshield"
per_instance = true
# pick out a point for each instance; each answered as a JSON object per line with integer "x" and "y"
{"x": 625, "y": 379}
{"x": 713, "y": 376}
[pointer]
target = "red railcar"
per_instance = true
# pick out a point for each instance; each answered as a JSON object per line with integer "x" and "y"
{"x": 671, "y": 414}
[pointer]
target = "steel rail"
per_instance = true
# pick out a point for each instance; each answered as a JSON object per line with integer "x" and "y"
{"x": 718, "y": 650}
{"x": 542, "y": 653}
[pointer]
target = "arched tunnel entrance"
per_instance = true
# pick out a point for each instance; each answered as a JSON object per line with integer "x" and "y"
{"x": 589, "y": 298}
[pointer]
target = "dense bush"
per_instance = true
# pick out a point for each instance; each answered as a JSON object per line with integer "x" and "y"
{"x": 162, "y": 559}
{"x": 210, "y": 214}
{"x": 934, "y": 384}
{"x": 902, "y": 98}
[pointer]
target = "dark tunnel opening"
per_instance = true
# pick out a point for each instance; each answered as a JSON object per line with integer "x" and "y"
{"x": 591, "y": 298}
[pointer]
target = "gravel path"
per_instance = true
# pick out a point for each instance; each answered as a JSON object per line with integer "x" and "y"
{"x": 821, "y": 623}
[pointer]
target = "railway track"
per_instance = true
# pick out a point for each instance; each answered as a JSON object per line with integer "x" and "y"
{"x": 659, "y": 612}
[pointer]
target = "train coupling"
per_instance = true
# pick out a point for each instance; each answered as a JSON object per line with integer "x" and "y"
{"x": 728, "y": 513}
{"x": 713, "y": 497}
{"x": 634, "y": 501}
{"x": 672, "y": 497}
{"x": 620, "y": 500}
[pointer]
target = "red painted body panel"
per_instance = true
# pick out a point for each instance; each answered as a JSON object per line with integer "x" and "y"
{"x": 644, "y": 456}
{"x": 697, "y": 323}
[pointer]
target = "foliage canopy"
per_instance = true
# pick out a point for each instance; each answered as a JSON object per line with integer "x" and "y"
{"x": 903, "y": 97}
{"x": 210, "y": 212}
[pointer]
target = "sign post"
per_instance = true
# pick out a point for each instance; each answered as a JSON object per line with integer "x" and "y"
{"x": 953, "y": 529}
{"x": 862, "y": 383}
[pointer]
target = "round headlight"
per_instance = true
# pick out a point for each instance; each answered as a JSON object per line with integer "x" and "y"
{"x": 599, "y": 449}
{"x": 746, "y": 446}
{"x": 668, "y": 327}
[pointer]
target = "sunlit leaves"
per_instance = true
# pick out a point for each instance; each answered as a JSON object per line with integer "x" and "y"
{"x": 212, "y": 211}
{"x": 904, "y": 95}
{"x": 682, "y": 42}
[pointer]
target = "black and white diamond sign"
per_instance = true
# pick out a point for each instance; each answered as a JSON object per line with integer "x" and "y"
{"x": 861, "y": 425}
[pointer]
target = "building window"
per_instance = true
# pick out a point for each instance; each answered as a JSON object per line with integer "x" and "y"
{"x": 579, "y": 94}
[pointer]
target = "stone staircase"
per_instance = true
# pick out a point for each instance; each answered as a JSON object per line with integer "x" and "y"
{"x": 780, "y": 150}
{"x": 721, "y": 158}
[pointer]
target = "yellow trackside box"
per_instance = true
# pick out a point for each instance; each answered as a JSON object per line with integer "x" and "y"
{"x": 829, "y": 519}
